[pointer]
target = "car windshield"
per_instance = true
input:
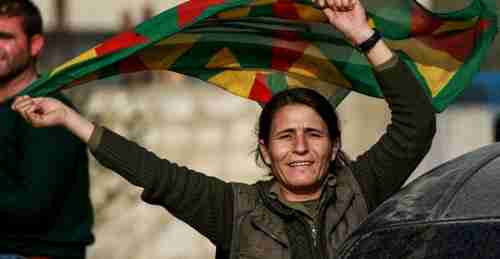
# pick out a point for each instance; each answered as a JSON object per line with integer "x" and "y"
{"x": 438, "y": 240}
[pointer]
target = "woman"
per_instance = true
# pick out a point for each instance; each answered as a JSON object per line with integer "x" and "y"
{"x": 316, "y": 197}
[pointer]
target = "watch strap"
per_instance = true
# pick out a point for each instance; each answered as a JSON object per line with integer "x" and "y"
{"x": 368, "y": 44}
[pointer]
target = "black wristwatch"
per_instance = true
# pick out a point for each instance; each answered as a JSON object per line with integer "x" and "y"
{"x": 368, "y": 44}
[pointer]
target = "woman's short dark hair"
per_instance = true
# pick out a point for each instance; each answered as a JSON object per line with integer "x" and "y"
{"x": 303, "y": 96}
{"x": 32, "y": 20}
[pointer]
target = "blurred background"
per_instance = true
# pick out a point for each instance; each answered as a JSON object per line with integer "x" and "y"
{"x": 198, "y": 125}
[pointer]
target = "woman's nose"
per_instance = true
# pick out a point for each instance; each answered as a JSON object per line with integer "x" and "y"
{"x": 301, "y": 145}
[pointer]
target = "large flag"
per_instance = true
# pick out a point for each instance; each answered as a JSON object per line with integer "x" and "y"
{"x": 255, "y": 48}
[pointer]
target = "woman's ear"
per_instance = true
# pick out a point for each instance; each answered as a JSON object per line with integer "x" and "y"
{"x": 264, "y": 152}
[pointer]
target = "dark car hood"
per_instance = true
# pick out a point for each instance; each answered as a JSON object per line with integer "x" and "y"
{"x": 467, "y": 187}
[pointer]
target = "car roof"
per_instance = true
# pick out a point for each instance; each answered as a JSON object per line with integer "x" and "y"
{"x": 465, "y": 188}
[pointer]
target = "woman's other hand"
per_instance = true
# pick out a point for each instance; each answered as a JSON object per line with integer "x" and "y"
{"x": 45, "y": 112}
{"x": 41, "y": 112}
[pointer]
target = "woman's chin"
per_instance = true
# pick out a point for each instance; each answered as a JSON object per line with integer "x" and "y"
{"x": 303, "y": 185}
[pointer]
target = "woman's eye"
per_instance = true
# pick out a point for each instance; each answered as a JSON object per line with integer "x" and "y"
{"x": 316, "y": 134}
{"x": 285, "y": 136}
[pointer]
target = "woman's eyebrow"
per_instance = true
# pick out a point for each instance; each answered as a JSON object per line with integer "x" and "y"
{"x": 314, "y": 129}
{"x": 287, "y": 130}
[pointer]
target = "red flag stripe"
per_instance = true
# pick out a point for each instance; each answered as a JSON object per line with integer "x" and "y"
{"x": 131, "y": 64}
{"x": 459, "y": 45}
{"x": 483, "y": 25}
{"x": 287, "y": 49}
{"x": 260, "y": 91}
{"x": 285, "y": 9}
{"x": 189, "y": 11}
{"x": 422, "y": 22}
{"x": 121, "y": 41}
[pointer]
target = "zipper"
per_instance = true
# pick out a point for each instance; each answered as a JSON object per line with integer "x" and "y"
{"x": 320, "y": 243}
{"x": 313, "y": 241}
{"x": 320, "y": 221}
{"x": 314, "y": 231}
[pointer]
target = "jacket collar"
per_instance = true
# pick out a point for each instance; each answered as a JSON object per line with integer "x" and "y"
{"x": 271, "y": 215}
{"x": 269, "y": 193}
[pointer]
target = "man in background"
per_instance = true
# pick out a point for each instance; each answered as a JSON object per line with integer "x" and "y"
{"x": 45, "y": 209}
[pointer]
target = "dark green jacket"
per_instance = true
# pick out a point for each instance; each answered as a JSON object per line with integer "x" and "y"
{"x": 246, "y": 221}
{"x": 44, "y": 189}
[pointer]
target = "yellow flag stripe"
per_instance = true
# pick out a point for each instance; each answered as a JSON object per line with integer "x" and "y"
{"x": 223, "y": 59}
{"x": 314, "y": 64}
{"x": 264, "y": 2}
{"x": 237, "y": 82}
{"x": 90, "y": 54}
{"x": 456, "y": 25}
{"x": 436, "y": 67}
{"x": 310, "y": 14}
{"x": 168, "y": 51}
{"x": 235, "y": 13}
{"x": 179, "y": 38}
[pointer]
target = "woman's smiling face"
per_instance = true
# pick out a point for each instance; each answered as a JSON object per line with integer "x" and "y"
{"x": 299, "y": 151}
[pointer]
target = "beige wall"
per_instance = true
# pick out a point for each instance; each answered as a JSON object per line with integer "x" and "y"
{"x": 101, "y": 14}
{"x": 460, "y": 129}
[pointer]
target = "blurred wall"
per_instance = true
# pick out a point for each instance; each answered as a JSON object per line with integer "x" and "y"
{"x": 186, "y": 121}
{"x": 99, "y": 15}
